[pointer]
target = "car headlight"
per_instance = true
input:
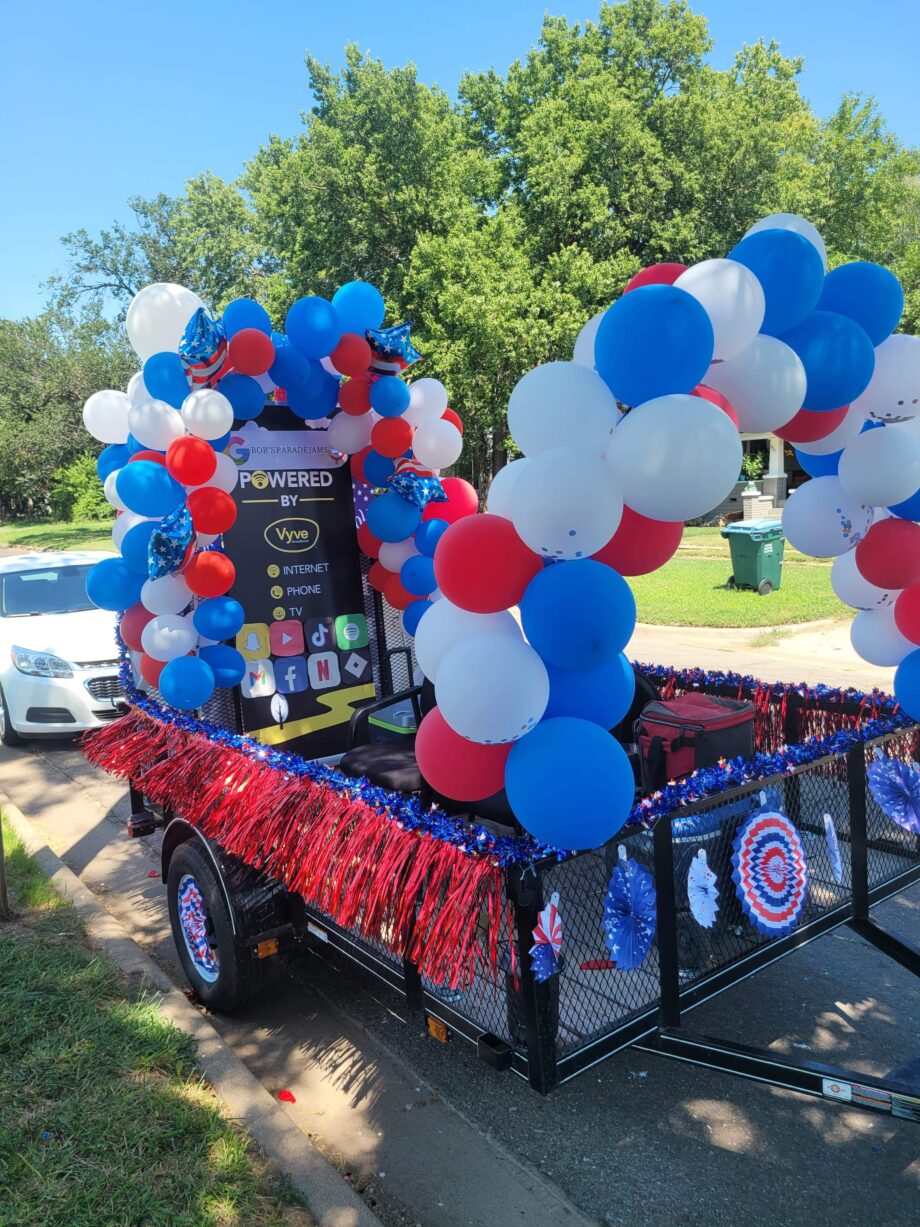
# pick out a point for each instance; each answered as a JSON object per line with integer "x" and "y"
{"x": 40, "y": 664}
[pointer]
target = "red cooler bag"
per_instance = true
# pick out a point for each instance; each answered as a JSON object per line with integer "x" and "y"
{"x": 696, "y": 730}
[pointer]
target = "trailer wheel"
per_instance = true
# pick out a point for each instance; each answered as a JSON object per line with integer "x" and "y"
{"x": 222, "y": 972}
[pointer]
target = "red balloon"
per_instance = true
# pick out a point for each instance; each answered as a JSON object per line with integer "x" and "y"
{"x": 889, "y": 554}
{"x": 151, "y": 669}
{"x": 352, "y": 355}
{"x": 367, "y": 542}
{"x": 462, "y": 500}
{"x": 357, "y": 465}
{"x": 190, "y": 460}
{"x": 719, "y": 401}
{"x": 452, "y": 416}
{"x": 251, "y": 351}
{"x": 156, "y": 457}
{"x": 640, "y": 545}
{"x": 656, "y": 274}
{"x": 133, "y": 621}
{"x": 378, "y": 577}
{"x": 810, "y": 425}
{"x": 460, "y": 769}
{"x": 210, "y": 573}
{"x": 391, "y": 437}
{"x": 213, "y": 510}
{"x": 907, "y": 613}
{"x": 355, "y": 397}
{"x": 482, "y": 565}
{"x": 396, "y": 594}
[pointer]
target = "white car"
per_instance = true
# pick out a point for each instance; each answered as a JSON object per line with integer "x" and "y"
{"x": 58, "y": 655}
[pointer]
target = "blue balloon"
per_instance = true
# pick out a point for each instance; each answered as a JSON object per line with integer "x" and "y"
{"x": 866, "y": 293}
{"x": 389, "y": 396}
{"x": 653, "y": 341}
{"x": 165, "y": 378}
{"x": 146, "y": 488}
{"x": 360, "y": 306}
{"x": 313, "y": 326}
{"x": 291, "y": 368}
{"x": 219, "y": 617}
{"x": 819, "y": 466}
{"x": 391, "y": 518}
{"x": 316, "y": 399}
{"x": 186, "y": 683}
{"x": 113, "y": 457}
{"x": 133, "y": 446}
{"x": 245, "y": 313}
{"x": 428, "y": 533}
{"x": 909, "y": 509}
{"x": 226, "y": 663}
{"x": 111, "y": 584}
{"x": 244, "y": 394}
{"x": 578, "y": 614}
{"x": 602, "y": 694}
{"x": 417, "y": 575}
{"x": 838, "y": 358}
{"x": 413, "y": 614}
{"x": 907, "y": 684}
{"x": 220, "y": 444}
{"x": 791, "y": 272}
{"x": 569, "y": 783}
{"x": 135, "y": 542}
{"x": 378, "y": 469}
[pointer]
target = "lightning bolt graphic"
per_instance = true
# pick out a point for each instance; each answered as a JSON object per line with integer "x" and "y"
{"x": 339, "y": 703}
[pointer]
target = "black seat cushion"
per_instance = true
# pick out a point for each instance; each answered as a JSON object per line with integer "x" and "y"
{"x": 494, "y": 810}
{"x": 389, "y": 764}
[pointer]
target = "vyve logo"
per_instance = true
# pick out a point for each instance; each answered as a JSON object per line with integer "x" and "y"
{"x": 292, "y": 535}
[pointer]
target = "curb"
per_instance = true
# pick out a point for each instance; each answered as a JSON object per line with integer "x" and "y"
{"x": 330, "y": 1199}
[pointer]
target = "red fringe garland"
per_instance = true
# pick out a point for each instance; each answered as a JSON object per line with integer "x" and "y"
{"x": 424, "y": 899}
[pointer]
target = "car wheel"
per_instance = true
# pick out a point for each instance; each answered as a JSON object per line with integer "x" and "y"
{"x": 8, "y": 735}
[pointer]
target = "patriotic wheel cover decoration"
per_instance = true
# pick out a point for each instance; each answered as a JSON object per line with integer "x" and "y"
{"x": 193, "y": 920}
{"x": 770, "y": 872}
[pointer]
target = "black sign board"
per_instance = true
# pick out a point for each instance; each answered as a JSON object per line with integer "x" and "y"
{"x": 298, "y": 577}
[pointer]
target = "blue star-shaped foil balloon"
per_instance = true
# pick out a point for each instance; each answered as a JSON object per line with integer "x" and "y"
{"x": 392, "y": 347}
{"x": 203, "y": 348}
{"x": 169, "y": 543}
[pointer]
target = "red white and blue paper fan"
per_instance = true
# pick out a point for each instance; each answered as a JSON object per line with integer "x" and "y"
{"x": 547, "y": 937}
{"x": 833, "y": 848}
{"x": 770, "y": 872}
{"x": 702, "y": 892}
{"x": 896, "y": 787}
{"x": 629, "y": 914}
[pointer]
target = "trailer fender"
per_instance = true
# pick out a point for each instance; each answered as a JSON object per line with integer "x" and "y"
{"x": 179, "y": 832}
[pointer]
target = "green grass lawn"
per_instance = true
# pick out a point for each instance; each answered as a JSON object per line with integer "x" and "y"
{"x": 104, "y": 1118}
{"x": 46, "y": 535}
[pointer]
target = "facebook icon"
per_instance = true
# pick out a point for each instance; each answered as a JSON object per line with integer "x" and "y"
{"x": 291, "y": 674}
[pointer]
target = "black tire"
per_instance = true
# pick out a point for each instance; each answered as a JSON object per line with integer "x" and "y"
{"x": 8, "y": 735}
{"x": 764, "y": 587}
{"x": 237, "y": 976}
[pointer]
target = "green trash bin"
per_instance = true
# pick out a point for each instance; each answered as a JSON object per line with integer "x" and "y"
{"x": 757, "y": 554}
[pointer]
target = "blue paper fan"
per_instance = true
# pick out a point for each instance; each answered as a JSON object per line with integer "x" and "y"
{"x": 547, "y": 937}
{"x": 770, "y": 872}
{"x": 833, "y": 848}
{"x": 702, "y": 891}
{"x": 896, "y": 787}
{"x": 629, "y": 914}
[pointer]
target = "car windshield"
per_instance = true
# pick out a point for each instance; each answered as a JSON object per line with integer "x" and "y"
{"x": 53, "y": 590}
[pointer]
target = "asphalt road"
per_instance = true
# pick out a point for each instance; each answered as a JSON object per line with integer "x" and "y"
{"x": 431, "y": 1136}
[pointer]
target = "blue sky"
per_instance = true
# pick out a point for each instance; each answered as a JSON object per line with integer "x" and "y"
{"x": 101, "y": 100}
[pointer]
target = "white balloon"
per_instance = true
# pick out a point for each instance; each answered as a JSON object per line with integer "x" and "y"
{"x": 168, "y": 636}
{"x": 111, "y": 494}
{"x": 105, "y": 416}
{"x": 427, "y": 401}
{"x": 169, "y": 594}
{"x": 155, "y": 424}
{"x": 765, "y": 384}
{"x": 854, "y": 590}
{"x": 124, "y": 523}
{"x": 203, "y": 540}
{"x": 226, "y": 475}
{"x": 349, "y": 433}
{"x": 732, "y": 298}
{"x": 157, "y": 316}
{"x": 266, "y": 383}
{"x": 437, "y": 444}
{"x": 393, "y": 554}
{"x": 893, "y": 394}
{"x": 491, "y": 688}
{"x": 584, "y": 342}
{"x": 137, "y": 389}
{"x": 882, "y": 466}
{"x": 561, "y": 403}
{"x": 792, "y": 221}
{"x": 566, "y": 503}
{"x": 876, "y": 638}
{"x": 820, "y": 518}
{"x": 675, "y": 457}
{"x": 840, "y": 436}
{"x": 449, "y": 626}
{"x": 498, "y": 499}
{"x": 207, "y": 414}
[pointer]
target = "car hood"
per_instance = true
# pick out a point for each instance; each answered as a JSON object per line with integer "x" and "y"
{"x": 81, "y": 638}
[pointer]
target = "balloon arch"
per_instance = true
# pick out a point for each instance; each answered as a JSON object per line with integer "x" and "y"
{"x": 638, "y": 434}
